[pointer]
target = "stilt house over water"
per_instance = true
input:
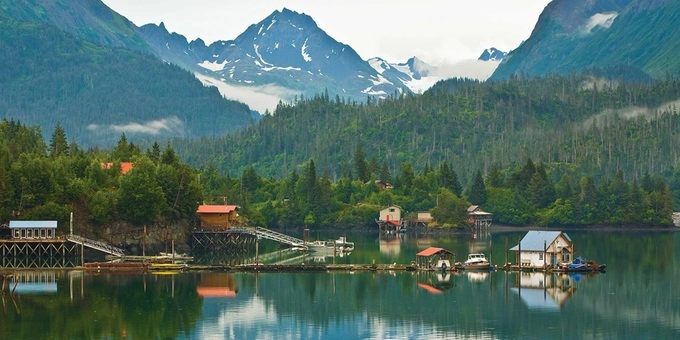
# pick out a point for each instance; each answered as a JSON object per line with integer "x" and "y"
{"x": 540, "y": 249}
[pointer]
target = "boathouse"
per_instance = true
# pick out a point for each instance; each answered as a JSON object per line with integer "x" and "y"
{"x": 390, "y": 219}
{"x": 540, "y": 249}
{"x": 478, "y": 218}
{"x": 434, "y": 257}
{"x": 217, "y": 217}
{"x": 32, "y": 230}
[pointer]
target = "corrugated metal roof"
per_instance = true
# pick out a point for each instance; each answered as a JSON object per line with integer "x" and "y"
{"x": 215, "y": 209}
{"x": 535, "y": 240}
{"x": 32, "y": 224}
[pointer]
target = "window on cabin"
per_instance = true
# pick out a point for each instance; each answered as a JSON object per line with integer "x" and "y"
{"x": 23, "y": 233}
{"x": 17, "y": 234}
{"x": 49, "y": 233}
{"x": 29, "y": 233}
{"x": 42, "y": 233}
{"x": 392, "y": 209}
{"x": 540, "y": 256}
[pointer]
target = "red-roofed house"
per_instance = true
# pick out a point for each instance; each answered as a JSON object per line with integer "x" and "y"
{"x": 390, "y": 219}
{"x": 217, "y": 217}
{"x": 124, "y": 166}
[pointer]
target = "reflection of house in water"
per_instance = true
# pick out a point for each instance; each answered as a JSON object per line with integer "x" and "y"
{"x": 545, "y": 291}
{"x": 216, "y": 285}
{"x": 435, "y": 283}
{"x": 34, "y": 282}
{"x": 390, "y": 245}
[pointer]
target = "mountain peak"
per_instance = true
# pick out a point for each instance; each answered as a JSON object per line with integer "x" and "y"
{"x": 492, "y": 54}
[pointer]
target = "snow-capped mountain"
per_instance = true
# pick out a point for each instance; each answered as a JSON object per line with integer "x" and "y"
{"x": 285, "y": 54}
{"x": 415, "y": 74}
{"x": 492, "y": 54}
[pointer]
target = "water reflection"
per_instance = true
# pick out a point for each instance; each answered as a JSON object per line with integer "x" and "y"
{"x": 546, "y": 291}
{"x": 436, "y": 282}
{"x": 636, "y": 298}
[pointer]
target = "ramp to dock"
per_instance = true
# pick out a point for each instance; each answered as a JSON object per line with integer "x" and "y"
{"x": 278, "y": 237}
{"x": 101, "y": 246}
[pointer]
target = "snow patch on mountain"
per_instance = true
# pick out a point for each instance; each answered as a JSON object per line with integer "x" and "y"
{"x": 213, "y": 65}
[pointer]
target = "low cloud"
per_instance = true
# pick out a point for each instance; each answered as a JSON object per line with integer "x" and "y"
{"x": 632, "y": 113}
{"x": 471, "y": 68}
{"x": 259, "y": 98}
{"x": 171, "y": 125}
{"x": 603, "y": 20}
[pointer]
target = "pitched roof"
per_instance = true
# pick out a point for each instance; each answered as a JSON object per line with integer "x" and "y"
{"x": 216, "y": 209}
{"x": 536, "y": 240}
{"x": 432, "y": 251}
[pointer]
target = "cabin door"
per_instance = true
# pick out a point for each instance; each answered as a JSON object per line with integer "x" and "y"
{"x": 553, "y": 259}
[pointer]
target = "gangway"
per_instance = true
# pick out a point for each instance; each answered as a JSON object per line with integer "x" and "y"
{"x": 278, "y": 237}
{"x": 101, "y": 246}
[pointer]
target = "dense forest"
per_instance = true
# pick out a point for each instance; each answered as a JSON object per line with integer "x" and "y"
{"x": 577, "y": 125}
{"x": 40, "y": 180}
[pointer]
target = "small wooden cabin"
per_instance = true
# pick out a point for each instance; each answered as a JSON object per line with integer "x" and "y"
{"x": 390, "y": 219}
{"x": 217, "y": 217}
{"x": 33, "y": 230}
{"x": 478, "y": 218}
{"x": 391, "y": 213}
{"x": 540, "y": 249}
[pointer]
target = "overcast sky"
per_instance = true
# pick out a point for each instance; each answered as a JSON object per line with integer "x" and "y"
{"x": 436, "y": 31}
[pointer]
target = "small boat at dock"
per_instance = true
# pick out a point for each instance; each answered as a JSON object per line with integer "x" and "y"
{"x": 476, "y": 261}
{"x": 580, "y": 265}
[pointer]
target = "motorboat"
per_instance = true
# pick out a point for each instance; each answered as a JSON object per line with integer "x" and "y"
{"x": 476, "y": 261}
{"x": 580, "y": 265}
{"x": 343, "y": 244}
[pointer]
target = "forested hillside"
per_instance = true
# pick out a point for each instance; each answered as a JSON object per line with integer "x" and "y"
{"x": 574, "y": 125}
{"x": 157, "y": 198}
{"x": 573, "y": 36}
{"x": 48, "y": 76}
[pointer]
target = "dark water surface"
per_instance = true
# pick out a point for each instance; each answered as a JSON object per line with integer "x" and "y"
{"x": 637, "y": 298}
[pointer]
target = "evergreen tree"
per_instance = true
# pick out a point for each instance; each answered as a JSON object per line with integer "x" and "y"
{"x": 495, "y": 178}
{"x": 360, "y": 165}
{"x": 58, "y": 143}
{"x": 476, "y": 192}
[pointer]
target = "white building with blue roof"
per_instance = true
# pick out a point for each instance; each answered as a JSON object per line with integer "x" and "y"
{"x": 33, "y": 229}
{"x": 540, "y": 249}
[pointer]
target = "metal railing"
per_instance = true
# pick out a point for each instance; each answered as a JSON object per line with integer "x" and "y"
{"x": 278, "y": 237}
{"x": 101, "y": 246}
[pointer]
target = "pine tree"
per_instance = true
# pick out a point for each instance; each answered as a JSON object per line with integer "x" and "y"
{"x": 476, "y": 193}
{"x": 58, "y": 144}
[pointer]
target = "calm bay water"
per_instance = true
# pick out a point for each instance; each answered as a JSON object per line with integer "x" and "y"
{"x": 637, "y": 298}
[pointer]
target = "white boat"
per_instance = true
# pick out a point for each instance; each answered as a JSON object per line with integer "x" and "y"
{"x": 338, "y": 246}
{"x": 342, "y": 243}
{"x": 476, "y": 262}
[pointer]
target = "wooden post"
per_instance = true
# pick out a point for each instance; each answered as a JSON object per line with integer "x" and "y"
{"x": 506, "y": 251}
{"x": 519, "y": 254}
{"x": 544, "y": 253}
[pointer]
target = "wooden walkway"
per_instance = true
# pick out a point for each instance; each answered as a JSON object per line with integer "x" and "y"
{"x": 97, "y": 245}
